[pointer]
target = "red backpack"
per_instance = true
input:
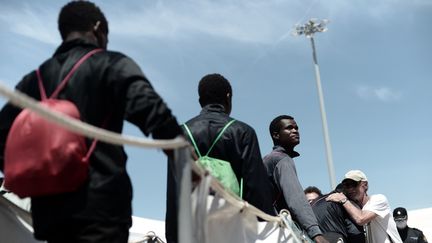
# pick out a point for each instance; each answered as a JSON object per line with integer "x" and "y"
{"x": 43, "y": 158}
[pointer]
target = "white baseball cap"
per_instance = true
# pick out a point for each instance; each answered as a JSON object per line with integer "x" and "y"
{"x": 356, "y": 175}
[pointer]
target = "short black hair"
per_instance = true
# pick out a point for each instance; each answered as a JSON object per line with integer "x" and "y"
{"x": 213, "y": 89}
{"x": 80, "y": 16}
{"x": 311, "y": 189}
{"x": 275, "y": 124}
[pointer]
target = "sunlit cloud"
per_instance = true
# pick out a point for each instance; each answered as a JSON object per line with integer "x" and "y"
{"x": 33, "y": 23}
{"x": 384, "y": 94}
{"x": 248, "y": 21}
{"x": 242, "y": 21}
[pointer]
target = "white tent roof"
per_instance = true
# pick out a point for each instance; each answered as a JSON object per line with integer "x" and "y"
{"x": 142, "y": 226}
{"x": 422, "y": 220}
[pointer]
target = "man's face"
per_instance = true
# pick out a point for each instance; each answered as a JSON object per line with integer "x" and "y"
{"x": 288, "y": 135}
{"x": 401, "y": 223}
{"x": 354, "y": 190}
{"x": 310, "y": 196}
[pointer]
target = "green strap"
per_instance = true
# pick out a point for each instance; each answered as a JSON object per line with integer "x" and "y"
{"x": 219, "y": 136}
{"x": 211, "y": 147}
{"x": 192, "y": 139}
{"x": 215, "y": 141}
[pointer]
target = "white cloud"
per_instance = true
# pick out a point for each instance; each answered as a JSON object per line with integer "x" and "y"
{"x": 38, "y": 24}
{"x": 384, "y": 94}
{"x": 248, "y": 21}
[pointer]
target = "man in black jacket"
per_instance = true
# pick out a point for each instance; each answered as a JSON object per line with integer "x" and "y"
{"x": 238, "y": 145}
{"x": 110, "y": 87}
{"x": 407, "y": 234}
{"x": 335, "y": 222}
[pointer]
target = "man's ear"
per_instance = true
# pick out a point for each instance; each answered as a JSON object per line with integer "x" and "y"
{"x": 228, "y": 104}
{"x": 364, "y": 184}
{"x": 275, "y": 136}
{"x": 96, "y": 26}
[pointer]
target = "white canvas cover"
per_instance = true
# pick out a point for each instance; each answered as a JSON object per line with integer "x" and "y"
{"x": 15, "y": 222}
{"x": 214, "y": 219}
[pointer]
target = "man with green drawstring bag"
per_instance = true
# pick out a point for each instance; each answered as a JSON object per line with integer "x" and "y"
{"x": 220, "y": 169}
{"x": 230, "y": 147}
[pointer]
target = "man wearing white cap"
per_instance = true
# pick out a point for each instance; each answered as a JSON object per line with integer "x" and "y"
{"x": 375, "y": 212}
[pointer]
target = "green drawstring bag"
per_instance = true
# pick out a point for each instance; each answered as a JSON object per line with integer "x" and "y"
{"x": 219, "y": 169}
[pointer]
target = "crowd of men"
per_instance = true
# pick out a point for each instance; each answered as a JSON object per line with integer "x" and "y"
{"x": 111, "y": 84}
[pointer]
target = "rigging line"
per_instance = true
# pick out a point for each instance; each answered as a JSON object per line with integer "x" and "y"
{"x": 19, "y": 99}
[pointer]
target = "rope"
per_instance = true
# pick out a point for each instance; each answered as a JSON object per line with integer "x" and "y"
{"x": 19, "y": 99}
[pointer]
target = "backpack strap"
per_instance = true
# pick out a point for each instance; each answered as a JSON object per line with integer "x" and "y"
{"x": 211, "y": 147}
{"x": 93, "y": 144}
{"x": 214, "y": 142}
{"x": 41, "y": 87}
{"x": 220, "y": 135}
{"x": 192, "y": 139}
{"x": 66, "y": 79}
{"x": 63, "y": 84}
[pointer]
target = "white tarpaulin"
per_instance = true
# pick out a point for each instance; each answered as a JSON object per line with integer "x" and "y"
{"x": 15, "y": 223}
{"x": 214, "y": 219}
{"x": 422, "y": 220}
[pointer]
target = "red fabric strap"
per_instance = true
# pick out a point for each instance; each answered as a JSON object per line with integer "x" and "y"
{"x": 63, "y": 84}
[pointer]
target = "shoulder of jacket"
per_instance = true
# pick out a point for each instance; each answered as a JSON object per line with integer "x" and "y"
{"x": 115, "y": 55}
{"x": 417, "y": 230}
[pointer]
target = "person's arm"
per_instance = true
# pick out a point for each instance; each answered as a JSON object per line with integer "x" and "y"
{"x": 143, "y": 105}
{"x": 360, "y": 217}
{"x": 286, "y": 177}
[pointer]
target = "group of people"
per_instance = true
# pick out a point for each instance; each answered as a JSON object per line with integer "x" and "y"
{"x": 110, "y": 84}
{"x": 349, "y": 214}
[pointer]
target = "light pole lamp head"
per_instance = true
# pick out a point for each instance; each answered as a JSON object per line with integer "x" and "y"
{"x": 311, "y": 27}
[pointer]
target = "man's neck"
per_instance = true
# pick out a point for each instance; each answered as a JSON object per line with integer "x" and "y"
{"x": 81, "y": 35}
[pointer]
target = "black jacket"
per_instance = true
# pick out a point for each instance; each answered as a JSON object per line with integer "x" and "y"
{"x": 412, "y": 235}
{"x": 107, "y": 85}
{"x": 332, "y": 217}
{"x": 239, "y": 146}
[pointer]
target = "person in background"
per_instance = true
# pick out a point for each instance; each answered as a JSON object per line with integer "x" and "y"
{"x": 238, "y": 145}
{"x": 109, "y": 84}
{"x": 374, "y": 211}
{"x": 312, "y": 193}
{"x": 287, "y": 192}
{"x": 407, "y": 234}
{"x": 335, "y": 222}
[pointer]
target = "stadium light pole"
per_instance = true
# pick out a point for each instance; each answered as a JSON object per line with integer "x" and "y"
{"x": 309, "y": 29}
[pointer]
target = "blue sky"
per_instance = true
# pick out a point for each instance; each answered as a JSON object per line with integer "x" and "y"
{"x": 375, "y": 69}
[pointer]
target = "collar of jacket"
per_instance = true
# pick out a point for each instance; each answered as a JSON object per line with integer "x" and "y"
{"x": 291, "y": 154}
{"x": 68, "y": 45}
{"x": 213, "y": 108}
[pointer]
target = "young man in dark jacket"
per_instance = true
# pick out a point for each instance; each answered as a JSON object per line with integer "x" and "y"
{"x": 107, "y": 88}
{"x": 238, "y": 145}
{"x": 287, "y": 191}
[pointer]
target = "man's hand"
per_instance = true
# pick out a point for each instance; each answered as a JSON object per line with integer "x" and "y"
{"x": 338, "y": 197}
{"x": 320, "y": 239}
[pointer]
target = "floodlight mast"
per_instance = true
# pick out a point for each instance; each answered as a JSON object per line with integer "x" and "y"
{"x": 309, "y": 29}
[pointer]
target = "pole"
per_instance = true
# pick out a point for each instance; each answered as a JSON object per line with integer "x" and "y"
{"x": 324, "y": 119}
